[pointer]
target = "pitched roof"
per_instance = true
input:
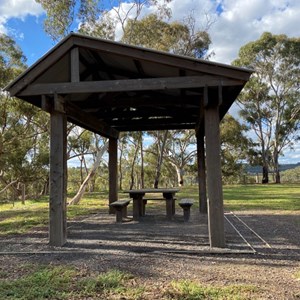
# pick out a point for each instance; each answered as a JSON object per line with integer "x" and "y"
{"x": 109, "y": 87}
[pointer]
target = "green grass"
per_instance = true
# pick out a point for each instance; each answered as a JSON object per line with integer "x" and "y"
{"x": 18, "y": 218}
{"x": 282, "y": 197}
{"x": 62, "y": 282}
{"x": 187, "y": 290}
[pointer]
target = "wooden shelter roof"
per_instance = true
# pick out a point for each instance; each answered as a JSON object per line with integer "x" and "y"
{"x": 108, "y": 87}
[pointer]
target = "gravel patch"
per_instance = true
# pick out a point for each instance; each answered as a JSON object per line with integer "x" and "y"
{"x": 158, "y": 251}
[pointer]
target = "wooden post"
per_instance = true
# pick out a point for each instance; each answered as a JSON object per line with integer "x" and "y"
{"x": 201, "y": 171}
{"x": 58, "y": 179}
{"x": 113, "y": 172}
{"x": 214, "y": 176}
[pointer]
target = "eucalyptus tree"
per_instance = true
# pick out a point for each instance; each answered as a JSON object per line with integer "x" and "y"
{"x": 175, "y": 37}
{"x": 270, "y": 101}
{"x": 95, "y": 17}
{"x": 234, "y": 148}
{"x": 23, "y": 128}
{"x": 180, "y": 151}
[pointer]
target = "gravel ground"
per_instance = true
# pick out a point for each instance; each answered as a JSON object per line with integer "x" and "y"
{"x": 157, "y": 251}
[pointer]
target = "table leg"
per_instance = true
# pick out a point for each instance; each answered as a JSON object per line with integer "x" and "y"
{"x": 173, "y": 206}
{"x": 136, "y": 211}
{"x": 170, "y": 205}
{"x": 144, "y": 202}
{"x": 169, "y": 208}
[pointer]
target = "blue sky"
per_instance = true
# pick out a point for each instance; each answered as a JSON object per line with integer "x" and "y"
{"x": 31, "y": 37}
{"x": 233, "y": 24}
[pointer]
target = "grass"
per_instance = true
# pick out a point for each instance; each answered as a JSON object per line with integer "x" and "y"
{"x": 63, "y": 282}
{"x": 20, "y": 218}
{"x": 283, "y": 197}
{"x": 187, "y": 290}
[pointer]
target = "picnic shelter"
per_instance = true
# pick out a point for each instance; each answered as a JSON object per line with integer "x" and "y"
{"x": 109, "y": 87}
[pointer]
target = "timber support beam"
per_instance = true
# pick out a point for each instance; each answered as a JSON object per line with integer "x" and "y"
{"x": 113, "y": 173}
{"x": 58, "y": 179}
{"x": 214, "y": 176}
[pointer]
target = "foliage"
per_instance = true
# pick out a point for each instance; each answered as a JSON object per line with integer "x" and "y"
{"x": 12, "y": 60}
{"x": 175, "y": 37}
{"x": 61, "y": 15}
{"x": 93, "y": 16}
{"x": 234, "y": 148}
{"x": 270, "y": 101}
{"x": 178, "y": 153}
{"x": 291, "y": 176}
{"x": 23, "y": 160}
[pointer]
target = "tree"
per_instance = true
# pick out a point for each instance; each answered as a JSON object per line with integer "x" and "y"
{"x": 79, "y": 194}
{"x": 180, "y": 151}
{"x": 22, "y": 160}
{"x": 175, "y": 37}
{"x": 92, "y": 18}
{"x": 271, "y": 97}
{"x": 161, "y": 139}
{"x": 234, "y": 148}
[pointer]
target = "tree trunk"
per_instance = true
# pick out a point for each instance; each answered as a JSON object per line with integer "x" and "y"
{"x": 81, "y": 191}
{"x": 142, "y": 164}
{"x": 133, "y": 164}
{"x": 8, "y": 186}
{"x": 265, "y": 174}
{"x": 276, "y": 167}
{"x": 179, "y": 173}
{"x": 160, "y": 159}
{"x": 277, "y": 177}
{"x": 120, "y": 166}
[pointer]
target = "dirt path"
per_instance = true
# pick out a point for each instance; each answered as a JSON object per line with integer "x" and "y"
{"x": 158, "y": 251}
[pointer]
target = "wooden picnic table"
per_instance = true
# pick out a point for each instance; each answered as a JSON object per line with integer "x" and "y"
{"x": 139, "y": 201}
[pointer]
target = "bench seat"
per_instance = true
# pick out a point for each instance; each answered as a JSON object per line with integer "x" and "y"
{"x": 120, "y": 207}
{"x": 150, "y": 199}
{"x": 186, "y": 204}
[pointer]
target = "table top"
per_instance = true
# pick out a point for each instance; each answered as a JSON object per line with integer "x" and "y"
{"x": 159, "y": 190}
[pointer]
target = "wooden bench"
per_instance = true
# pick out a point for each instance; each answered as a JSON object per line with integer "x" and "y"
{"x": 121, "y": 209}
{"x": 186, "y": 204}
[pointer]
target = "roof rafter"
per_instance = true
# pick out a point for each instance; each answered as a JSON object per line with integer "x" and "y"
{"x": 126, "y": 85}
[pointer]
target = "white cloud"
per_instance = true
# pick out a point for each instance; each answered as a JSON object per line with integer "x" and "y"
{"x": 17, "y": 9}
{"x": 237, "y": 22}
{"x": 242, "y": 21}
